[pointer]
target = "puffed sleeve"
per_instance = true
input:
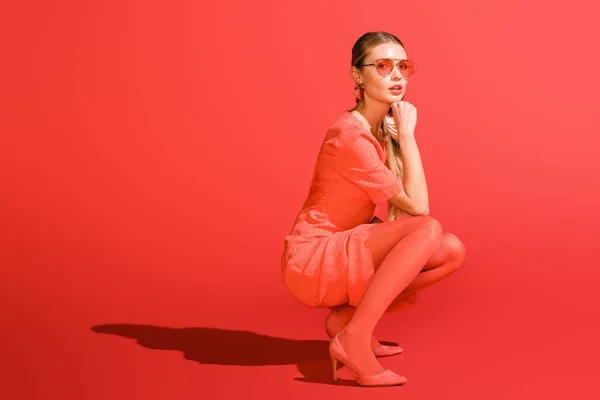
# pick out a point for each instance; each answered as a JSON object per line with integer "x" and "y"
{"x": 360, "y": 161}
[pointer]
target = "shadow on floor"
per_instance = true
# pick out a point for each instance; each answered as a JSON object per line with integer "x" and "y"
{"x": 231, "y": 347}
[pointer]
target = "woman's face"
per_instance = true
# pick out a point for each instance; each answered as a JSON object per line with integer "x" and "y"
{"x": 386, "y": 89}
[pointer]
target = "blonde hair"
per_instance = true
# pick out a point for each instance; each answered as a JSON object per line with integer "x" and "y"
{"x": 394, "y": 163}
{"x": 360, "y": 50}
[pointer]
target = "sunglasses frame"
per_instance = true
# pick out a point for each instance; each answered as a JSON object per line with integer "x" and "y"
{"x": 395, "y": 66}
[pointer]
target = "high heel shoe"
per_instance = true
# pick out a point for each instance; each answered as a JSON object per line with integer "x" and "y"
{"x": 334, "y": 324}
{"x": 385, "y": 378}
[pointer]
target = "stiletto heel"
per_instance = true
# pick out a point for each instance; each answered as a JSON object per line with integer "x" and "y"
{"x": 334, "y": 325}
{"x": 385, "y": 378}
{"x": 334, "y": 364}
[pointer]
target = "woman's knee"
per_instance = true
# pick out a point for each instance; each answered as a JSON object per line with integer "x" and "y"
{"x": 455, "y": 245}
{"x": 430, "y": 225}
{"x": 456, "y": 249}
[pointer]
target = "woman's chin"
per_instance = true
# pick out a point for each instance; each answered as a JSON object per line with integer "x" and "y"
{"x": 393, "y": 98}
{"x": 390, "y": 99}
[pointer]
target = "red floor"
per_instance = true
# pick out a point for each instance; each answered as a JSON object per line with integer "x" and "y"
{"x": 102, "y": 331}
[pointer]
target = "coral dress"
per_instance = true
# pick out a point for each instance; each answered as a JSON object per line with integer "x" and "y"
{"x": 326, "y": 260}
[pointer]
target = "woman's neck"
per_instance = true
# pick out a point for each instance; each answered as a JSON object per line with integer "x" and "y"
{"x": 373, "y": 115}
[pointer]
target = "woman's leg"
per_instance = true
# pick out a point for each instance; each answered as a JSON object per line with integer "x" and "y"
{"x": 338, "y": 318}
{"x": 446, "y": 260}
{"x": 400, "y": 249}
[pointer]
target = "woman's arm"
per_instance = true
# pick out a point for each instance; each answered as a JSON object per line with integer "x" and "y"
{"x": 414, "y": 199}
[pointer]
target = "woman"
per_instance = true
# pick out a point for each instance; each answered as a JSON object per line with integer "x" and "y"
{"x": 333, "y": 256}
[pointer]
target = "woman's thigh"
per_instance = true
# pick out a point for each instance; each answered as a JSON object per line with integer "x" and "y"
{"x": 385, "y": 236}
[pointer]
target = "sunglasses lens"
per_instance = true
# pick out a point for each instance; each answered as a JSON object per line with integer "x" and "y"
{"x": 407, "y": 68}
{"x": 384, "y": 67}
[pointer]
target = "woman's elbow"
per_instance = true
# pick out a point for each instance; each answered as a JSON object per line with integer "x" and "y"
{"x": 423, "y": 210}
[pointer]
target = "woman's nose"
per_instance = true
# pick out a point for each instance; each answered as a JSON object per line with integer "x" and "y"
{"x": 396, "y": 74}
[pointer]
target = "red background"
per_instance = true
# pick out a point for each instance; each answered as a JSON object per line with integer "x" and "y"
{"x": 154, "y": 155}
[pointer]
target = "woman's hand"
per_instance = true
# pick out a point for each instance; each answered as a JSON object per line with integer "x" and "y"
{"x": 405, "y": 115}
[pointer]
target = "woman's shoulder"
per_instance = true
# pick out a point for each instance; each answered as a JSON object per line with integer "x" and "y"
{"x": 348, "y": 128}
{"x": 348, "y": 138}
